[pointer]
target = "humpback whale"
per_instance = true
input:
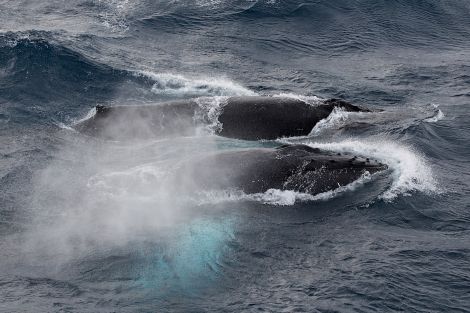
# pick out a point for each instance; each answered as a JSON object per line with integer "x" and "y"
{"x": 289, "y": 167}
{"x": 249, "y": 118}
{"x": 254, "y": 118}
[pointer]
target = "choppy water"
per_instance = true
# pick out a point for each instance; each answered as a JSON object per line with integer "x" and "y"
{"x": 87, "y": 226}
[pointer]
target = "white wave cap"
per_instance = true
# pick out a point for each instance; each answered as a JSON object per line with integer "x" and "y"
{"x": 411, "y": 172}
{"x": 179, "y": 85}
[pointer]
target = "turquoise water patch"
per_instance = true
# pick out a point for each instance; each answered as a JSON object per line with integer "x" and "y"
{"x": 191, "y": 259}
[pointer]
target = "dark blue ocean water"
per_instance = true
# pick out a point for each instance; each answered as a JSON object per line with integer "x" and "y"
{"x": 85, "y": 225}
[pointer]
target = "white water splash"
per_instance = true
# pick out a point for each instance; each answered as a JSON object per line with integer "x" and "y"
{"x": 277, "y": 196}
{"x": 336, "y": 119}
{"x": 89, "y": 115}
{"x": 411, "y": 172}
{"x": 290, "y": 197}
{"x": 280, "y": 197}
{"x": 209, "y": 112}
{"x": 312, "y": 100}
{"x": 437, "y": 117}
{"x": 271, "y": 196}
{"x": 179, "y": 85}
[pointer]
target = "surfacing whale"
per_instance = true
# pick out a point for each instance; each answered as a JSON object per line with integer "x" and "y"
{"x": 290, "y": 167}
{"x": 249, "y": 118}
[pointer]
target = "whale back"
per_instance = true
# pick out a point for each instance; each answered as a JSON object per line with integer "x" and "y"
{"x": 254, "y": 118}
{"x": 291, "y": 167}
{"x": 141, "y": 121}
{"x": 249, "y": 118}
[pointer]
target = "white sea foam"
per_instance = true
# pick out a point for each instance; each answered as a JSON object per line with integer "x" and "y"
{"x": 64, "y": 126}
{"x": 312, "y": 100}
{"x": 436, "y": 118}
{"x": 114, "y": 13}
{"x": 90, "y": 114}
{"x": 276, "y": 196}
{"x": 271, "y": 196}
{"x": 211, "y": 96}
{"x": 209, "y": 111}
{"x": 179, "y": 85}
{"x": 290, "y": 197}
{"x": 411, "y": 172}
{"x": 337, "y": 118}
{"x": 14, "y": 40}
{"x": 411, "y": 116}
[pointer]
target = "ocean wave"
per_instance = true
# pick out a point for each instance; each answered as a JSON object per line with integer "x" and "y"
{"x": 39, "y": 67}
{"x": 351, "y": 26}
{"x": 34, "y": 65}
{"x": 341, "y": 25}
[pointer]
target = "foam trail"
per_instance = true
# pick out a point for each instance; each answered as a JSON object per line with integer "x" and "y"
{"x": 290, "y": 197}
{"x": 277, "y": 196}
{"x": 179, "y": 85}
{"x": 410, "y": 170}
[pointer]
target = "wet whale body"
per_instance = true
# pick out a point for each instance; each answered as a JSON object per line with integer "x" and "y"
{"x": 248, "y": 118}
{"x": 254, "y": 118}
{"x": 289, "y": 167}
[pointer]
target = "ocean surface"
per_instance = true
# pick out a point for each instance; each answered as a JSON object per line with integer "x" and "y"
{"x": 87, "y": 226}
